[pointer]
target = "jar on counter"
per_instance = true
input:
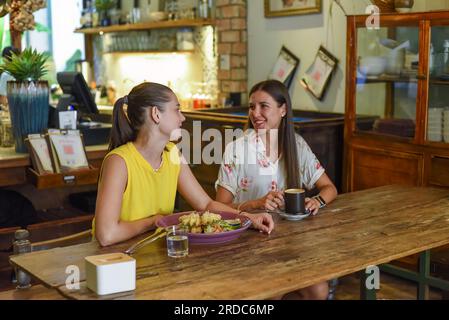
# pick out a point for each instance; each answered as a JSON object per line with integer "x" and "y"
{"x": 22, "y": 245}
{"x": 6, "y": 134}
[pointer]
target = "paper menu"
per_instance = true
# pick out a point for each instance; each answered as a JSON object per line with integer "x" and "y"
{"x": 39, "y": 153}
{"x": 67, "y": 149}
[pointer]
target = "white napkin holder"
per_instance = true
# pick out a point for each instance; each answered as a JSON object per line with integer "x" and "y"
{"x": 110, "y": 273}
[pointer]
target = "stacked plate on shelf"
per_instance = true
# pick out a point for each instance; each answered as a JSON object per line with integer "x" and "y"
{"x": 446, "y": 124}
{"x": 435, "y": 125}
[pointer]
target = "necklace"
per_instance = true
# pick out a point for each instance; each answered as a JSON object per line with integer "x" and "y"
{"x": 160, "y": 166}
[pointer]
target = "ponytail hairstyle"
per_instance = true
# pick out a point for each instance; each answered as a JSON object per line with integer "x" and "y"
{"x": 286, "y": 133}
{"x": 129, "y": 112}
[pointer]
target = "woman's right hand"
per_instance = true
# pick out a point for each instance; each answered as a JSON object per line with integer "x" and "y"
{"x": 261, "y": 221}
{"x": 271, "y": 201}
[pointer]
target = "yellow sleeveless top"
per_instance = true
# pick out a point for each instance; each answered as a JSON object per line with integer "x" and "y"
{"x": 148, "y": 192}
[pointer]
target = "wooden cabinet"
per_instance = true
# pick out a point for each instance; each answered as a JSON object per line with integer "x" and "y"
{"x": 402, "y": 95}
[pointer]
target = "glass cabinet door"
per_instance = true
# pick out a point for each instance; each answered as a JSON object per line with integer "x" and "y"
{"x": 386, "y": 91}
{"x": 438, "y": 106}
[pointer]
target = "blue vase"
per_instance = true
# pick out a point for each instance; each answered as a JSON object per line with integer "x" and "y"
{"x": 29, "y": 107}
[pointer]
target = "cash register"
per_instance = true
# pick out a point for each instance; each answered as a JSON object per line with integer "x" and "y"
{"x": 95, "y": 127}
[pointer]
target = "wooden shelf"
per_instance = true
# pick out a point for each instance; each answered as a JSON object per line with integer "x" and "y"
{"x": 148, "y": 25}
{"x": 381, "y": 79}
{"x": 386, "y": 80}
{"x": 439, "y": 82}
{"x": 151, "y": 51}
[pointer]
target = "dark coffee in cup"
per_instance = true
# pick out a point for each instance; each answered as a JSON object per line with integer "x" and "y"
{"x": 294, "y": 201}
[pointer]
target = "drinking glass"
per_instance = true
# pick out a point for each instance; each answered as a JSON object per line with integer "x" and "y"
{"x": 177, "y": 241}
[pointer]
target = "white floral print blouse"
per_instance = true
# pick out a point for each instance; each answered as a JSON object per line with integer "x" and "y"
{"x": 248, "y": 173}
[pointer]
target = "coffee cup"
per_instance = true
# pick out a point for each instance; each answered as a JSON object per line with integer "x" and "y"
{"x": 294, "y": 201}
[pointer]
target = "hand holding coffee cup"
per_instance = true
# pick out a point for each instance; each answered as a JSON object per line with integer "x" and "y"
{"x": 312, "y": 205}
{"x": 295, "y": 201}
{"x": 271, "y": 201}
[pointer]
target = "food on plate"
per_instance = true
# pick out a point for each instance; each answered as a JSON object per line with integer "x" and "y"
{"x": 208, "y": 222}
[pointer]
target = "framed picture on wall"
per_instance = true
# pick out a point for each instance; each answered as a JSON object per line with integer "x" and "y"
{"x": 279, "y": 8}
{"x": 285, "y": 67}
{"x": 317, "y": 77}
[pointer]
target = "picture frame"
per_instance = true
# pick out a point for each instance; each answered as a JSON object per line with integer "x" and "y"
{"x": 285, "y": 67}
{"x": 282, "y": 8}
{"x": 317, "y": 77}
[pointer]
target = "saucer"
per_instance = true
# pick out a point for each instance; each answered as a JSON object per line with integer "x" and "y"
{"x": 293, "y": 217}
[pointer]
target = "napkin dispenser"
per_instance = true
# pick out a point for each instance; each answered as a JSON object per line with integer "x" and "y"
{"x": 110, "y": 273}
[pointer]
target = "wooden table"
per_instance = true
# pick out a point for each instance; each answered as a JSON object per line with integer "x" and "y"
{"x": 359, "y": 229}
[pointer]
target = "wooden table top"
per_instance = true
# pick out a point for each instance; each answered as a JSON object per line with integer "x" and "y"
{"x": 357, "y": 230}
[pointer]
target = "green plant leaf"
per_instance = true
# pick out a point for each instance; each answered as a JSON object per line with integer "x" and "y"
{"x": 28, "y": 65}
{"x": 42, "y": 28}
{"x": 104, "y": 5}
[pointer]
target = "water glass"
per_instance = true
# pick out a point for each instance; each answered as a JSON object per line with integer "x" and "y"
{"x": 177, "y": 241}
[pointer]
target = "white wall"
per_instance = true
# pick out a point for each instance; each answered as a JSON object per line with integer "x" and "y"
{"x": 65, "y": 19}
{"x": 303, "y": 34}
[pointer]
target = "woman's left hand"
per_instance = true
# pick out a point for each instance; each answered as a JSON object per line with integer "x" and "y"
{"x": 312, "y": 205}
{"x": 261, "y": 221}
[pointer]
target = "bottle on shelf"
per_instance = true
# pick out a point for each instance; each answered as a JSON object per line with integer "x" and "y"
{"x": 135, "y": 12}
{"x": 95, "y": 16}
{"x": 116, "y": 13}
{"x": 172, "y": 9}
{"x": 123, "y": 18}
{"x": 203, "y": 9}
{"x": 86, "y": 15}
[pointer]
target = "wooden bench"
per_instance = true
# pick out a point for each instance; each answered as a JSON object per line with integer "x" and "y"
{"x": 42, "y": 236}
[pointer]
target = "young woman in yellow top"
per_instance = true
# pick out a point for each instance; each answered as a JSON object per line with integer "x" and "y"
{"x": 143, "y": 170}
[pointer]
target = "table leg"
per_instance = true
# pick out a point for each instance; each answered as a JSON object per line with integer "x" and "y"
{"x": 424, "y": 272}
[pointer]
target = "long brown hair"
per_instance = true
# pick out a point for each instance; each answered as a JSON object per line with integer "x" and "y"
{"x": 286, "y": 133}
{"x": 126, "y": 124}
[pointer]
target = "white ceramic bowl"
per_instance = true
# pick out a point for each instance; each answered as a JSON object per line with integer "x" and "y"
{"x": 372, "y": 65}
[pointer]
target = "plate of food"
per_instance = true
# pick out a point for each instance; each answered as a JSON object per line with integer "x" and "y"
{"x": 208, "y": 227}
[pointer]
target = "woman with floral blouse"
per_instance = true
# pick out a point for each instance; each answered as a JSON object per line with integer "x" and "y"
{"x": 269, "y": 158}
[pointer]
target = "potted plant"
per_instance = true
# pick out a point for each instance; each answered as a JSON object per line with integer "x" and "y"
{"x": 103, "y": 6}
{"x": 28, "y": 96}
